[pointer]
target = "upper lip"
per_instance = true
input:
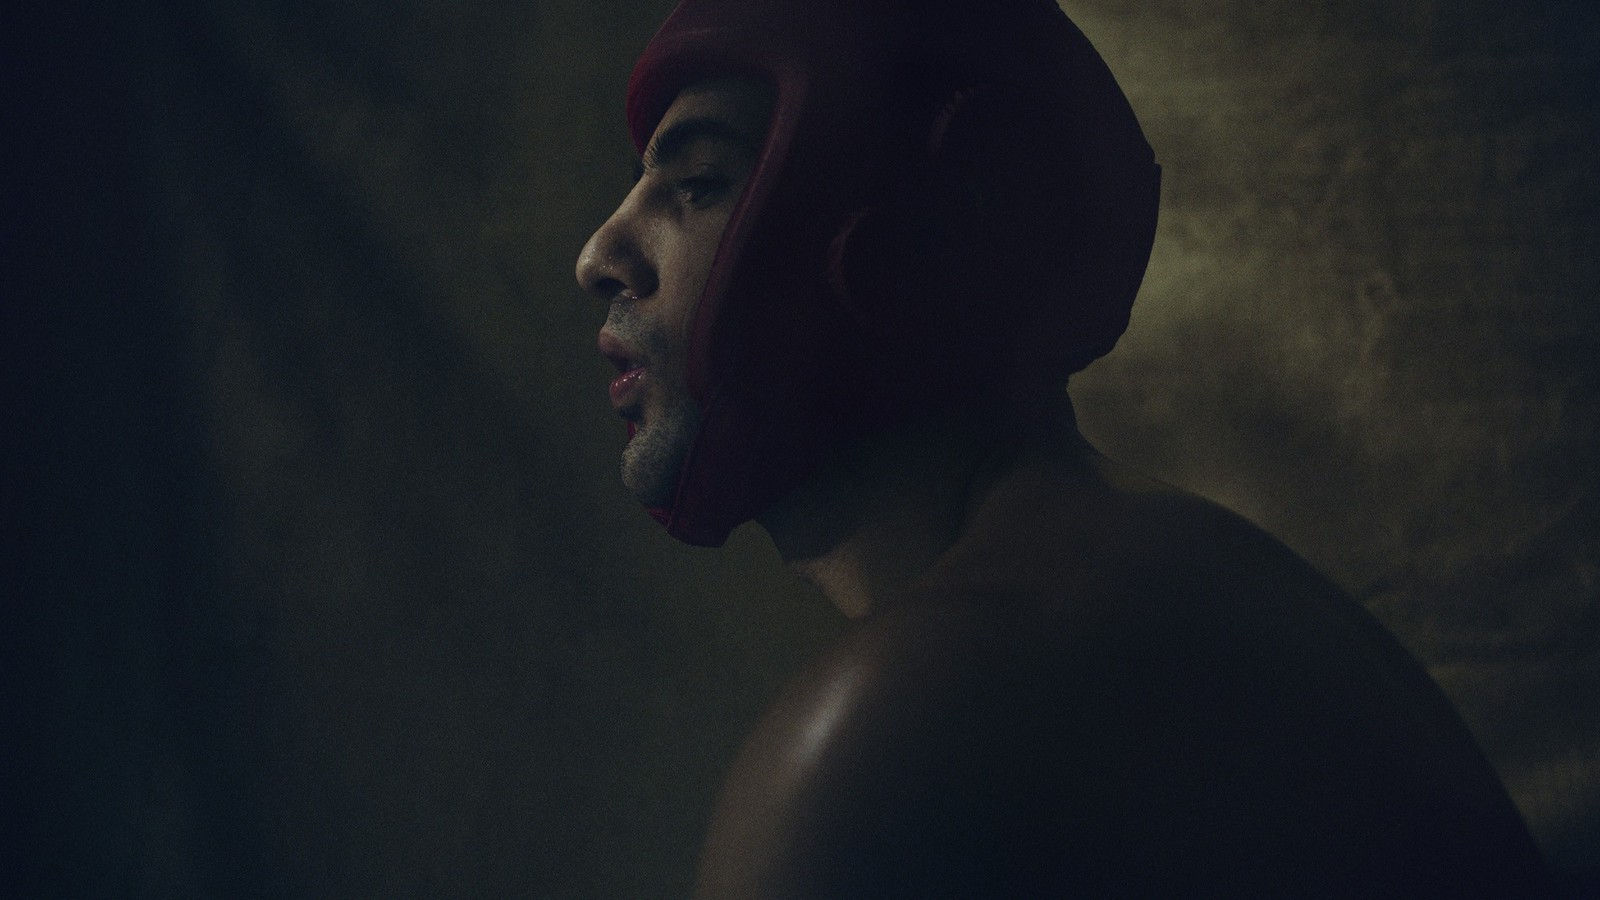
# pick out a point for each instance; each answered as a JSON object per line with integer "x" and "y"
{"x": 621, "y": 355}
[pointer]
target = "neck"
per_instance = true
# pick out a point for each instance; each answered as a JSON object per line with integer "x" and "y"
{"x": 880, "y": 512}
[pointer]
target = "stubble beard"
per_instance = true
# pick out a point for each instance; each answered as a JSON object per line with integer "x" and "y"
{"x": 654, "y": 457}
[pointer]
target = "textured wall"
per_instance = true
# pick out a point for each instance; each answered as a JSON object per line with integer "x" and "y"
{"x": 329, "y": 586}
{"x": 1370, "y": 326}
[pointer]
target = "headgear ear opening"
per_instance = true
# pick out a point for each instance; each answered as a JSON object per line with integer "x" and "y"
{"x": 985, "y": 204}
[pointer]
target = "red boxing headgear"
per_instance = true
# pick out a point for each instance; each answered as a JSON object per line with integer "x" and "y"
{"x": 950, "y": 194}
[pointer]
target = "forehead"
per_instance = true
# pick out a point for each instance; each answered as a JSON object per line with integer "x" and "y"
{"x": 741, "y": 103}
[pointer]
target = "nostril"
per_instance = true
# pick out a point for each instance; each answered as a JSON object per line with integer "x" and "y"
{"x": 617, "y": 292}
{"x": 606, "y": 288}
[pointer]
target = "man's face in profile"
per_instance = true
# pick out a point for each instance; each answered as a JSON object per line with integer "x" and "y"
{"x": 651, "y": 259}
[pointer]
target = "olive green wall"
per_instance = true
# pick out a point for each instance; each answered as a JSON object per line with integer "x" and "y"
{"x": 329, "y": 588}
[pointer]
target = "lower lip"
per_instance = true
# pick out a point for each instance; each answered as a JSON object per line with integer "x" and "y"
{"x": 624, "y": 384}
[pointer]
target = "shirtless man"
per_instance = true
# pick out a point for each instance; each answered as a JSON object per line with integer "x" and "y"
{"x": 868, "y": 243}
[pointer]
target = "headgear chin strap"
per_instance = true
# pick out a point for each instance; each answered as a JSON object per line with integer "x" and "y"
{"x": 952, "y": 187}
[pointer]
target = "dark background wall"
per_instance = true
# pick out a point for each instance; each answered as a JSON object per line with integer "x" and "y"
{"x": 323, "y": 584}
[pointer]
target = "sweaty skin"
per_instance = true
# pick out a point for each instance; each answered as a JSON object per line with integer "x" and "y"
{"x": 1100, "y": 686}
{"x": 650, "y": 260}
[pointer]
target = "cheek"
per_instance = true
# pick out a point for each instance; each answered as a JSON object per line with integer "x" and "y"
{"x": 699, "y": 252}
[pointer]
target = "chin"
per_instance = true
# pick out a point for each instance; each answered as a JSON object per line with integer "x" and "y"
{"x": 654, "y": 457}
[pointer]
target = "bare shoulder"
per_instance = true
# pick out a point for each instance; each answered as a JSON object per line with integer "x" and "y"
{"x": 1114, "y": 688}
{"x": 904, "y": 763}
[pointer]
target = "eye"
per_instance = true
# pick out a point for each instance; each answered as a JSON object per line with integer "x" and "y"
{"x": 702, "y": 189}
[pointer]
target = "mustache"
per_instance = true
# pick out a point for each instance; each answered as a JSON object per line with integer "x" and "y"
{"x": 638, "y": 332}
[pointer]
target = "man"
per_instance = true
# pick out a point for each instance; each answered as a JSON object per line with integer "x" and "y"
{"x": 867, "y": 245}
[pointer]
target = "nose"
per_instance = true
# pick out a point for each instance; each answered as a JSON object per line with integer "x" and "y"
{"x": 616, "y": 259}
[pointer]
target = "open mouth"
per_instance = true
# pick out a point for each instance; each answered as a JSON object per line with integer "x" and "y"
{"x": 624, "y": 386}
{"x": 631, "y": 375}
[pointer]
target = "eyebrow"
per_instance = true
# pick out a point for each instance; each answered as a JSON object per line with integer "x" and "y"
{"x": 680, "y": 135}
